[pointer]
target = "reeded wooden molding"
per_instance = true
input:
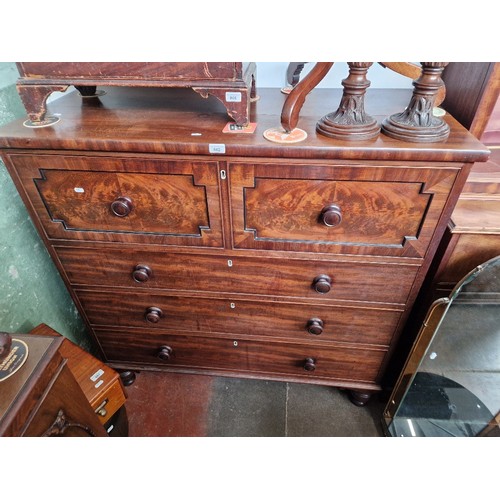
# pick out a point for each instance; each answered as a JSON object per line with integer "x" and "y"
{"x": 417, "y": 122}
{"x": 350, "y": 121}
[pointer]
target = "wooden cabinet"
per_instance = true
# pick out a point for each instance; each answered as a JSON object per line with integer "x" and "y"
{"x": 192, "y": 250}
{"x": 43, "y": 398}
{"x": 100, "y": 384}
{"x": 232, "y": 83}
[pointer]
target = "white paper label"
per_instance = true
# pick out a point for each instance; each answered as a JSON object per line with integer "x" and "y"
{"x": 99, "y": 384}
{"x": 99, "y": 373}
{"x": 217, "y": 149}
{"x": 79, "y": 190}
{"x": 233, "y": 96}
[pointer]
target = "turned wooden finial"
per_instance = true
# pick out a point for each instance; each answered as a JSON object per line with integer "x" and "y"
{"x": 417, "y": 122}
{"x": 350, "y": 121}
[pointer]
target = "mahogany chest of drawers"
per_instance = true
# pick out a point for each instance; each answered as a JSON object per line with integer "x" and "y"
{"x": 189, "y": 249}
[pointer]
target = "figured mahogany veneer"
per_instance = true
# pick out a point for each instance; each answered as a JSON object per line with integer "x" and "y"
{"x": 146, "y": 200}
{"x": 380, "y": 211}
{"x": 187, "y": 249}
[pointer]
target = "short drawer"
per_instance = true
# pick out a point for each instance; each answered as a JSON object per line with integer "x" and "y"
{"x": 248, "y": 318}
{"x": 232, "y": 274}
{"x": 109, "y": 402}
{"x": 242, "y": 356}
{"x": 124, "y": 199}
{"x": 364, "y": 210}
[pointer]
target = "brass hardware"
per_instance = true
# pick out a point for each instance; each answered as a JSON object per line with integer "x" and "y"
{"x": 101, "y": 410}
{"x": 61, "y": 424}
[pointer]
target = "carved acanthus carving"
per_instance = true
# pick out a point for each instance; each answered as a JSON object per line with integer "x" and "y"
{"x": 350, "y": 121}
{"x": 417, "y": 122}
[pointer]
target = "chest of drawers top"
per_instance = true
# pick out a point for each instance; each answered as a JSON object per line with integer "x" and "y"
{"x": 177, "y": 121}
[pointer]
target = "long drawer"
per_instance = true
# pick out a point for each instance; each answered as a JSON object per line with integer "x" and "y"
{"x": 242, "y": 356}
{"x": 335, "y": 280}
{"x": 297, "y": 322}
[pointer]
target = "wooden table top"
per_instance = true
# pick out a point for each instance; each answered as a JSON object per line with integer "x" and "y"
{"x": 180, "y": 121}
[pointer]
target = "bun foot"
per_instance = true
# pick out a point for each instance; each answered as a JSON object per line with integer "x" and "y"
{"x": 359, "y": 398}
{"x": 127, "y": 377}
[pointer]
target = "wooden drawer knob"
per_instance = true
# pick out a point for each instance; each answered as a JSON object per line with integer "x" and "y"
{"x": 141, "y": 273}
{"x": 122, "y": 206}
{"x": 153, "y": 314}
{"x": 315, "y": 326}
{"x": 322, "y": 283}
{"x": 309, "y": 364}
{"x": 164, "y": 353}
{"x": 331, "y": 215}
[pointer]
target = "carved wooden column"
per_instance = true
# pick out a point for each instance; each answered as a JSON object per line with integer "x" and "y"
{"x": 350, "y": 122}
{"x": 417, "y": 122}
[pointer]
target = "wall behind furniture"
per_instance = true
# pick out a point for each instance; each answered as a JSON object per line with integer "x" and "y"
{"x": 273, "y": 74}
{"x": 31, "y": 290}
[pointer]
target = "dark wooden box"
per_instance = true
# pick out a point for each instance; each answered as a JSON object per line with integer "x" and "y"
{"x": 233, "y": 83}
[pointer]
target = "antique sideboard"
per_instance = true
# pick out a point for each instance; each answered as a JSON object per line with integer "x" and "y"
{"x": 193, "y": 250}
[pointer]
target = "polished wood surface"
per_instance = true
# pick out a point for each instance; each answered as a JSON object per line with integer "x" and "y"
{"x": 384, "y": 211}
{"x": 223, "y": 317}
{"x": 169, "y": 201}
{"x": 335, "y": 365}
{"x": 186, "y": 248}
{"x": 164, "y": 121}
{"x": 100, "y": 383}
{"x": 64, "y": 411}
{"x": 233, "y": 273}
